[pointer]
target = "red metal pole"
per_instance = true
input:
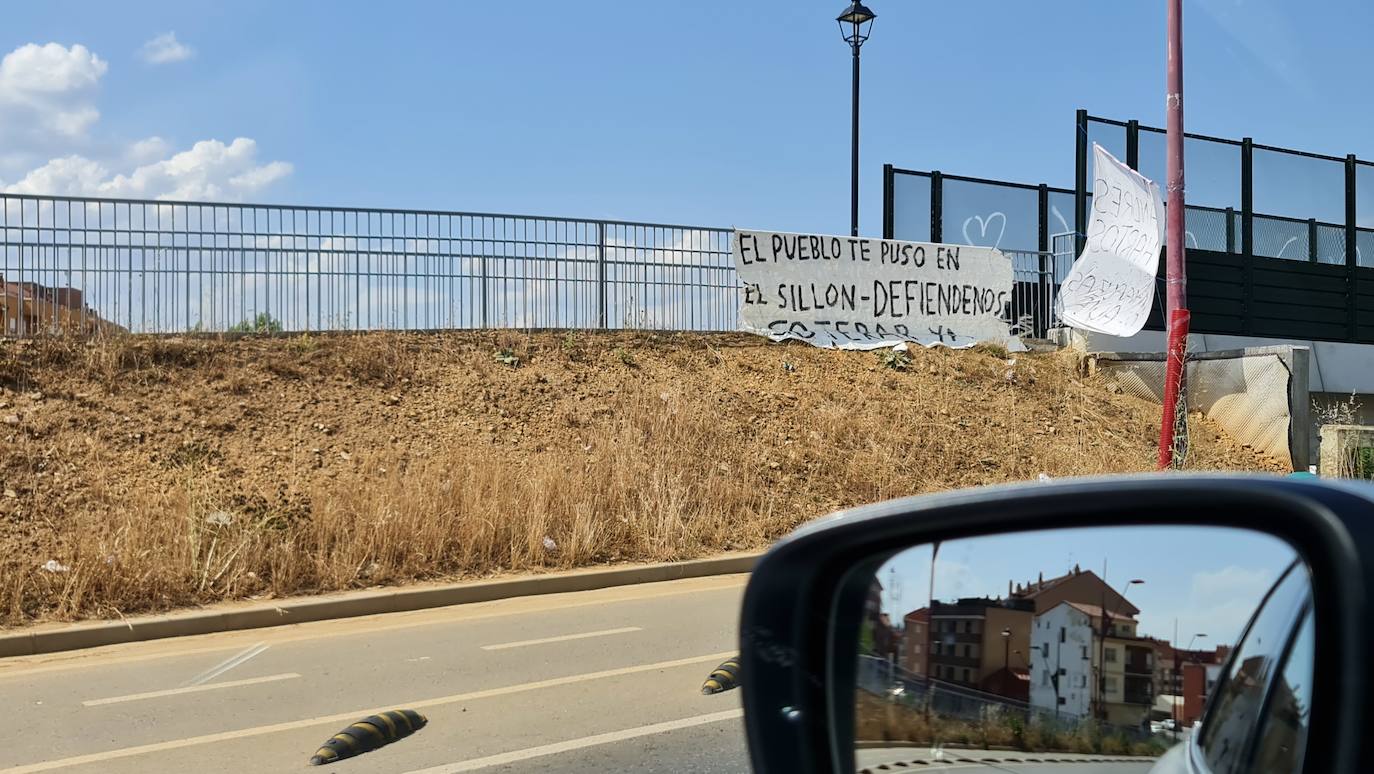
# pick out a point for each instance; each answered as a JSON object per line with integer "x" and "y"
{"x": 1175, "y": 410}
{"x": 1176, "y": 281}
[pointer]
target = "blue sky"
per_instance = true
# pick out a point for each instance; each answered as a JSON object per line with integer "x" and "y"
{"x": 698, "y": 112}
{"x": 1209, "y": 579}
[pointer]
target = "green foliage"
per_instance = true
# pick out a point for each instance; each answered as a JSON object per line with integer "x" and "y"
{"x": 626, "y": 358}
{"x": 262, "y": 323}
{"x": 1018, "y": 732}
{"x": 1363, "y": 462}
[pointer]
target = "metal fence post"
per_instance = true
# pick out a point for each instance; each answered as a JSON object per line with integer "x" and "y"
{"x": 1080, "y": 180}
{"x": 937, "y": 206}
{"x": 1230, "y": 230}
{"x": 482, "y": 266}
{"x": 888, "y": 184}
{"x": 1133, "y": 144}
{"x": 1312, "y": 240}
{"x": 1247, "y": 232}
{"x": 601, "y": 275}
{"x": 1351, "y": 256}
{"x": 1042, "y": 306}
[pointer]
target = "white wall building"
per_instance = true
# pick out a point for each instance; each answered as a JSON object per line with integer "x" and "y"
{"x": 1062, "y": 641}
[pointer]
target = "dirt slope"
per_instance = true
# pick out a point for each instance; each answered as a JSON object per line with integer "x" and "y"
{"x": 151, "y": 473}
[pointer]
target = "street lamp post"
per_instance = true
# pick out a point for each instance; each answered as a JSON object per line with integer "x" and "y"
{"x": 856, "y": 21}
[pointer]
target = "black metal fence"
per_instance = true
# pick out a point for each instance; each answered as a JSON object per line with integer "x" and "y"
{"x": 167, "y": 267}
{"x": 1280, "y": 242}
{"x": 81, "y": 264}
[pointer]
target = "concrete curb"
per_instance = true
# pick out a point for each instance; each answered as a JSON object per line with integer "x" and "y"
{"x": 355, "y": 603}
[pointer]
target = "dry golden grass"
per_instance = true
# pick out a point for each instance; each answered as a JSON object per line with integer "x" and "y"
{"x": 171, "y": 472}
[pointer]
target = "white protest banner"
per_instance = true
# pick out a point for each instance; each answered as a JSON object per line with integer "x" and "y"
{"x": 1112, "y": 284}
{"x": 856, "y": 293}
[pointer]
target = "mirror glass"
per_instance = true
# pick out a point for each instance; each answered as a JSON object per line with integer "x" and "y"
{"x": 1088, "y": 642}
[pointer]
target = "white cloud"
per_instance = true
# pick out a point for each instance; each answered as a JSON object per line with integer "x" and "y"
{"x": 47, "y": 109}
{"x": 47, "y": 94}
{"x": 209, "y": 170}
{"x": 165, "y": 49}
{"x": 147, "y": 150}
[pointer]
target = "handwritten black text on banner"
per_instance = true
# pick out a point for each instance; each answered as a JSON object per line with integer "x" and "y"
{"x": 856, "y": 293}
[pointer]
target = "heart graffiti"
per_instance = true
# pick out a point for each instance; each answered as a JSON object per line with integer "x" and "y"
{"x": 983, "y": 230}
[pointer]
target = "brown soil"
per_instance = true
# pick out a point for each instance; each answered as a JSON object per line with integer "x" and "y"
{"x": 164, "y": 472}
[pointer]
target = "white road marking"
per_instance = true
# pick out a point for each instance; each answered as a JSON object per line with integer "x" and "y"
{"x": 190, "y": 689}
{"x": 287, "y": 632}
{"x": 563, "y": 638}
{"x": 577, "y": 744}
{"x": 226, "y": 665}
{"x": 292, "y": 725}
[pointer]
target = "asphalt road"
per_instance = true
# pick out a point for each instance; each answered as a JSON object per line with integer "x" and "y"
{"x": 598, "y": 681}
{"x": 604, "y": 680}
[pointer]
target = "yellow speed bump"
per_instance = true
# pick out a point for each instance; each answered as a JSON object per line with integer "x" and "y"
{"x": 723, "y": 678}
{"x": 368, "y": 734}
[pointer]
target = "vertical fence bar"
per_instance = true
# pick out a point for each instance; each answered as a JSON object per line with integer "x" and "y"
{"x": 1041, "y": 322}
{"x": 1351, "y": 305}
{"x": 937, "y": 206}
{"x": 482, "y": 268}
{"x": 1230, "y": 230}
{"x": 601, "y": 275}
{"x": 1312, "y": 240}
{"x": 1080, "y": 179}
{"x": 1247, "y": 233}
{"x": 888, "y": 182}
{"x": 1133, "y": 144}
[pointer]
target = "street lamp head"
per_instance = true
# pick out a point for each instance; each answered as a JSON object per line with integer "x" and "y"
{"x": 1006, "y": 632}
{"x": 855, "y": 21}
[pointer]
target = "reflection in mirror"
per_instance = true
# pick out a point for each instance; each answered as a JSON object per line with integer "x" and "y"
{"x": 1081, "y": 642}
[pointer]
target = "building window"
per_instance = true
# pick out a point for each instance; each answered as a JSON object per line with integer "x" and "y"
{"x": 1110, "y": 685}
{"x": 976, "y": 627}
{"x": 1045, "y": 649}
{"x": 1082, "y": 681}
{"x": 918, "y": 647}
{"x": 1045, "y": 678}
{"x": 966, "y": 676}
{"x": 1085, "y": 651}
{"x": 1111, "y": 655}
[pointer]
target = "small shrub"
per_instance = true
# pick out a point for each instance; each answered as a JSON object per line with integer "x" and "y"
{"x": 989, "y": 348}
{"x": 506, "y": 357}
{"x": 626, "y": 358}
{"x": 894, "y": 359}
{"x": 304, "y": 343}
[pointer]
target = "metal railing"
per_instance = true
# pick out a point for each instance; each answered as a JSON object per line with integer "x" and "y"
{"x": 85, "y": 265}
{"x": 170, "y": 267}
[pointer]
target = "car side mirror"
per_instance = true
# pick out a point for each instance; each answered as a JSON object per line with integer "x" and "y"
{"x": 982, "y": 626}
